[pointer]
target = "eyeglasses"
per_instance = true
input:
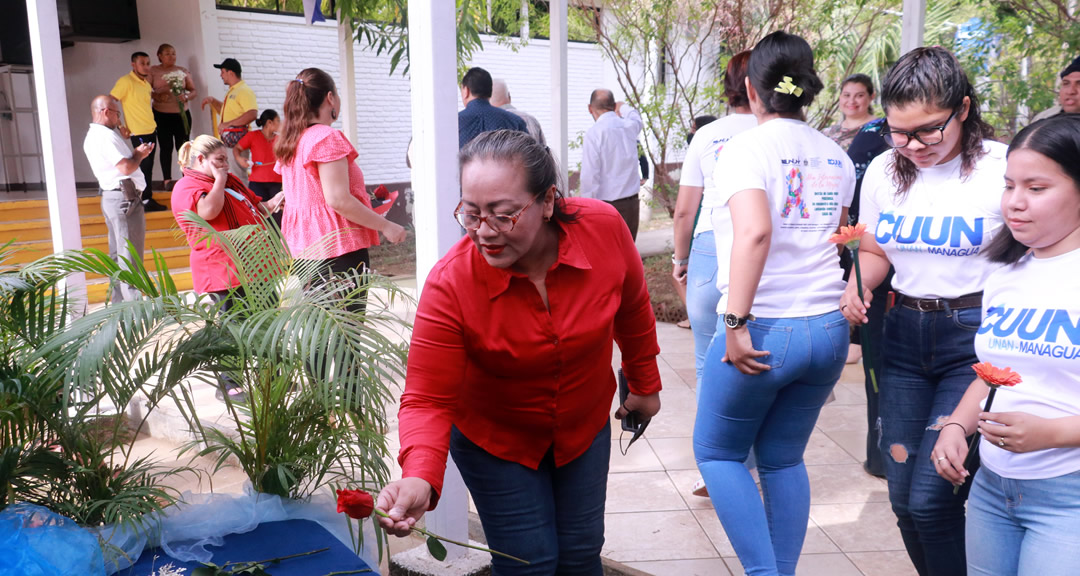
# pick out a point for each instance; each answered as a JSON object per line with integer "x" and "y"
{"x": 500, "y": 223}
{"x": 928, "y": 136}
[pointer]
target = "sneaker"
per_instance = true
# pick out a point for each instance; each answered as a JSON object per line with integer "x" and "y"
{"x": 152, "y": 205}
{"x": 700, "y": 489}
{"x": 236, "y": 394}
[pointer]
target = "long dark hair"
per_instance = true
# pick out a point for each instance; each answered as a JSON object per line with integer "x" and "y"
{"x": 511, "y": 146}
{"x": 779, "y": 56}
{"x": 303, "y": 98}
{"x": 933, "y": 76}
{"x": 1057, "y": 138}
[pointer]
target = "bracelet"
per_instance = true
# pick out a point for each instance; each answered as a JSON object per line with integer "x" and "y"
{"x": 956, "y": 424}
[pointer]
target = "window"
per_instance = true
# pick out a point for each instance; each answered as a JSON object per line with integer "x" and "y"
{"x": 291, "y": 7}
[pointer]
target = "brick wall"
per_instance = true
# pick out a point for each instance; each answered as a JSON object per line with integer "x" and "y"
{"x": 272, "y": 49}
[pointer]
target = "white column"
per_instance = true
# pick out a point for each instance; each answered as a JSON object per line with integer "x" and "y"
{"x": 55, "y": 133}
{"x": 347, "y": 90}
{"x": 559, "y": 138}
{"x": 914, "y": 24}
{"x": 432, "y": 71}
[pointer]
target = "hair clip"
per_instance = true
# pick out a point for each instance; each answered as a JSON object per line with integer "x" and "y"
{"x": 788, "y": 87}
{"x": 301, "y": 80}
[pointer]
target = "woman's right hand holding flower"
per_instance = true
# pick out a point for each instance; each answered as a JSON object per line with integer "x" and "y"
{"x": 405, "y": 501}
{"x": 949, "y": 453}
{"x": 853, "y": 308}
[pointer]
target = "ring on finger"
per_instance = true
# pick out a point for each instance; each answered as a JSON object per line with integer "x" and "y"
{"x": 942, "y": 458}
{"x": 1001, "y": 442}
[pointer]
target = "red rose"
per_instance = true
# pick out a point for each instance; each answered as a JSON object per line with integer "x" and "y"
{"x": 994, "y": 376}
{"x": 382, "y": 193}
{"x": 355, "y": 503}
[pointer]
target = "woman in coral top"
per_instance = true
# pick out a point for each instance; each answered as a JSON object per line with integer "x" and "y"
{"x": 510, "y": 362}
{"x": 328, "y": 213}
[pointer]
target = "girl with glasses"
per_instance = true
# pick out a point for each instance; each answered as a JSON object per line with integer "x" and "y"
{"x": 931, "y": 208}
{"x": 509, "y": 366}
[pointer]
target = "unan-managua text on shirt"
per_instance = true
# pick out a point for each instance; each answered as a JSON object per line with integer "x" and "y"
{"x": 1031, "y": 323}
{"x": 809, "y": 180}
{"x": 935, "y": 234}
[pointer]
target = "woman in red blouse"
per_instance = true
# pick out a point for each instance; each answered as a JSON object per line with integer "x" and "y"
{"x": 510, "y": 362}
{"x": 328, "y": 213}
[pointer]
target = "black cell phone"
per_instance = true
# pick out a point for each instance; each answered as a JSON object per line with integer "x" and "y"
{"x": 632, "y": 421}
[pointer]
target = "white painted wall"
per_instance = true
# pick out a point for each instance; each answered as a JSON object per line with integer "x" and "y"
{"x": 92, "y": 68}
{"x": 272, "y": 49}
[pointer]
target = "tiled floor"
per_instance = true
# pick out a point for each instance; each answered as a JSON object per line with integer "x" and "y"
{"x": 656, "y": 525}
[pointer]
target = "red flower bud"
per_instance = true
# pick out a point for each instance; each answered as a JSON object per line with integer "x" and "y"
{"x": 355, "y": 503}
{"x": 381, "y": 192}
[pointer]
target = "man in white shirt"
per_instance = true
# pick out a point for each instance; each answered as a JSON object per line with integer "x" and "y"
{"x": 609, "y": 163}
{"x": 1068, "y": 94}
{"x": 500, "y": 98}
{"x": 116, "y": 167}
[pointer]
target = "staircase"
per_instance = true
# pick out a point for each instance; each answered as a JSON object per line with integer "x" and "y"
{"x": 26, "y": 222}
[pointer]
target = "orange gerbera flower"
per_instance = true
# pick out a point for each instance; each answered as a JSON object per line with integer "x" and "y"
{"x": 849, "y": 235}
{"x": 994, "y": 376}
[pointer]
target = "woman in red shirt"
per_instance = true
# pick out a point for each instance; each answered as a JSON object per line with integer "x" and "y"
{"x": 328, "y": 215}
{"x": 221, "y": 199}
{"x": 510, "y": 361}
{"x": 263, "y": 181}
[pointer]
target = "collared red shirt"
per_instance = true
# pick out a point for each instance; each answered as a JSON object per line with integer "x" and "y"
{"x": 135, "y": 95}
{"x": 239, "y": 99}
{"x": 104, "y": 149}
{"x": 480, "y": 116}
{"x": 516, "y": 378}
{"x": 609, "y": 160}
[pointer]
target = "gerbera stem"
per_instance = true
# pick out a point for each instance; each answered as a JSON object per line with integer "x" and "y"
{"x": 973, "y": 444}
{"x": 864, "y": 338}
{"x": 466, "y": 545}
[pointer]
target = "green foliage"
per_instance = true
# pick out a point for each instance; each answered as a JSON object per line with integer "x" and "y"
{"x": 58, "y": 450}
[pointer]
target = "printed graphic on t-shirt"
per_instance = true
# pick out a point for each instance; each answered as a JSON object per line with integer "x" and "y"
{"x": 812, "y": 198}
{"x": 940, "y": 235}
{"x": 721, "y": 142}
{"x": 1046, "y": 332}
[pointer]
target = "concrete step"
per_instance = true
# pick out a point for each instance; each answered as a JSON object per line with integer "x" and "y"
{"x": 39, "y": 230}
{"x": 97, "y": 286}
{"x": 39, "y": 209}
{"x": 161, "y": 240}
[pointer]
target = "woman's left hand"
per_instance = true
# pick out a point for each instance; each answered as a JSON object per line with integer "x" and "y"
{"x": 277, "y": 201}
{"x": 646, "y": 406}
{"x": 741, "y": 353}
{"x": 1020, "y": 431}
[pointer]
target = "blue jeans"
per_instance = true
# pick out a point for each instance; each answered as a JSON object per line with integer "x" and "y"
{"x": 702, "y": 296}
{"x": 774, "y": 413}
{"x": 926, "y": 368}
{"x": 1023, "y": 527}
{"x": 553, "y": 516}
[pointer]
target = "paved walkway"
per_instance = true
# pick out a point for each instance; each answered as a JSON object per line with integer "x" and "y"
{"x": 653, "y": 521}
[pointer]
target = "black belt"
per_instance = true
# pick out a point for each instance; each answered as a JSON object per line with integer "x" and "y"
{"x": 937, "y": 304}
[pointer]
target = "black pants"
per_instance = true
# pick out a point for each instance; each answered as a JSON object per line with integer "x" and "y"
{"x": 630, "y": 210}
{"x": 147, "y": 164}
{"x": 266, "y": 191}
{"x": 171, "y": 136}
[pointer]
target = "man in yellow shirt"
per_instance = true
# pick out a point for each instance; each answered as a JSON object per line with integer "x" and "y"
{"x": 236, "y": 113}
{"x": 134, "y": 92}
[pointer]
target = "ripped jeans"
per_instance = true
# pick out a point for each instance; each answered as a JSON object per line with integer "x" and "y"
{"x": 926, "y": 369}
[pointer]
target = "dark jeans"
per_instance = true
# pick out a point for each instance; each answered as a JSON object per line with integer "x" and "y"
{"x": 630, "y": 210}
{"x": 875, "y": 335}
{"x": 171, "y": 136}
{"x": 552, "y": 516}
{"x": 147, "y": 164}
{"x": 926, "y": 370}
{"x": 266, "y": 191}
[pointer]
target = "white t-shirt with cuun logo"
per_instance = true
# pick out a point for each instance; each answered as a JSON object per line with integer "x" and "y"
{"x": 935, "y": 234}
{"x": 808, "y": 180}
{"x": 1031, "y": 323}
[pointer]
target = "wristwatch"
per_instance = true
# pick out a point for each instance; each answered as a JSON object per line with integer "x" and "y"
{"x": 735, "y": 322}
{"x": 679, "y": 262}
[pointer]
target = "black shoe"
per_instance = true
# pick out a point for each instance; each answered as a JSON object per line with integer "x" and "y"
{"x": 169, "y": 185}
{"x": 874, "y": 473}
{"x": 152, "y": 205}
{"x": 236, "y": 394}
